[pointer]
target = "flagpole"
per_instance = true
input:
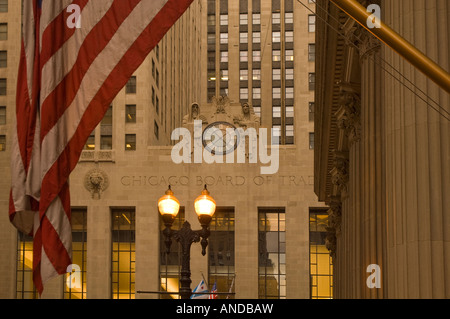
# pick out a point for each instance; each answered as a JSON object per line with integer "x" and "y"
{"x": 206, "y": 282}
{"x": 231, "y": 287}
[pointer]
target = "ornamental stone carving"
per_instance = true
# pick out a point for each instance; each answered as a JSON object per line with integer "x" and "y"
{"x": 248, "y": 118}
{"x": 368, "y": 45}
{"x": 348, "y": 115}
{"x": 331, "y": 241}
{"x": 340, "y": 173}
{"x": 194, "y": 114}
{"x": 334, "y": 223}
{"x": 335, "y": 214}
{"x": 96, "y": 182}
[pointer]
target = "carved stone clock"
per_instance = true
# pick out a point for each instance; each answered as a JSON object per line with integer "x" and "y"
{"x": 223, "y": 142}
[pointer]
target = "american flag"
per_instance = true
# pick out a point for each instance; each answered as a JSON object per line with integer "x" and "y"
{"x": 67, "y": 79}
{"x": 213, "y": 291}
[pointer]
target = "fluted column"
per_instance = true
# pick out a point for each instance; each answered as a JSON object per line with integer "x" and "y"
{"x": 371, "y": 161}
{"x": 417, "y": 154}
{"x": 344, "y": 219}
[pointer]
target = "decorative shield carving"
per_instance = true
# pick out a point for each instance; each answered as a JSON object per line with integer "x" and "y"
{"x": 96, "y": 182}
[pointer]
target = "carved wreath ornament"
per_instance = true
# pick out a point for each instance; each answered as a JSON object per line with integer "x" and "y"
{"x": 96, "y": 181}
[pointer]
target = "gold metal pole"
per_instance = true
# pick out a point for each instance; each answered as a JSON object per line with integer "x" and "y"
{"x": 395, "y": 41}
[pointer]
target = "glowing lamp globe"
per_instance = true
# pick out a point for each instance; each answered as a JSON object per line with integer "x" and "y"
{"x": 169, "y": 206}
{"x": 205, "y": 207}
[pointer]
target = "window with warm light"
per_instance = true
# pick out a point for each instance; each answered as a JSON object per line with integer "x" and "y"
{"x": 130, "y": 113}
{"x": 24, "y": 274}
{"x": 90, "y": 143}
{"x": 130, "y": 142}
{"x": 76, "y": 288}
{"x": 123, "y": 253}
{"x": 321, "y": 265}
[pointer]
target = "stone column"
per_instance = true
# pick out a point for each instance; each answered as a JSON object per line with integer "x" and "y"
{"x": 344, "y": 177}
{"x": 147, "y": 244}
{"x": 417, "y": 152}
{"x": 372, "y": 163}
{"x": 98, "y": 273}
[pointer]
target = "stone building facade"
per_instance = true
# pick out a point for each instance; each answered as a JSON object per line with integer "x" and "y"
{"x": 382, "y": 150}
{"x": 261, "y": 246}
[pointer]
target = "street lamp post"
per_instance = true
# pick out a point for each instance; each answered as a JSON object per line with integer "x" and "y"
{"x": 168, "y": 206}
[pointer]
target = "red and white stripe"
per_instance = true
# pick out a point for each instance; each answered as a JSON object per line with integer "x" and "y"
{"x": 67, "y": 80}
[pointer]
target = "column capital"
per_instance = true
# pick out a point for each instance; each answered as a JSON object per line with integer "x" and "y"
{"x": 340, "y": 173}
{"x": 348, "y": 115}
{"x": 368, "y": 45}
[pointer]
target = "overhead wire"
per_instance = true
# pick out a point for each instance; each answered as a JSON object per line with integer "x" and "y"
{"x": 437, "y": 109}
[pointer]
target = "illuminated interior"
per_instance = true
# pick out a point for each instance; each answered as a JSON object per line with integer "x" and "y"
{"x": 321, "y": 266}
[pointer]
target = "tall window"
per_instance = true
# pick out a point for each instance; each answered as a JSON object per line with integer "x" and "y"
{"x": 90, "y": 143}
{"x": 276, "y": 37}
{"x": 223, "y": 19}
{"x": 289, "y": 35}
{"x": 123, "y": 253}
{"x": 289, "y": 74}
{"x": 289, "y": 93}
{"x": 24, "y": 275}
{"x": 276, "y": 18}
{"x": 289, "y": 55}
{"x": 256, "y": 93}
{"x": 243, "y": 93}
{"x": 3, "y": 59}
{"x": 2, "y": 143}
{"x": 130, "y": 116}
{"x": 312, "y": 81}
{"x": 243, "y": 75}
{"x": 170, "y": 263}
{"x": 311, "y": 23}
{"x": 256, "y": 37}
{"x": 243, "y": 37}
{"x": 2, "y": 115}
{"x": 106, "y": 130}
{"x": 3, "y": 5}
{"x": 75, "y": 284}
{"x": 311, "y": 141}
{"x": 312, "y": 52}
{"x": 272, "y": 254}
{"x": 224, "y": 38}
{"x": 276, "y": 55}
{"x": 256, "y": 18}
{"x": 2, "y": 86}
{"x": 243, "y": 19}
{"x": 321, "y": 266}
{"x": 289, "y": 17}
{"x": 221, "y": 251}
{"x": 3, "y": 31}
{"x": 276, "y": 93}
{"x": 256, "y": 74}
{"x": 223, "y": 56}
{"x": 311, "y": 111}
{"x": 243, "y": 56}
{"x": 130, "y": 142}
{"x": 131, "y": 86}
{"x": 256, "y": 56}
